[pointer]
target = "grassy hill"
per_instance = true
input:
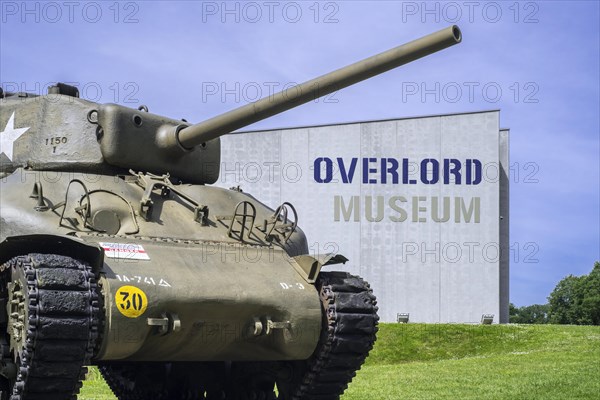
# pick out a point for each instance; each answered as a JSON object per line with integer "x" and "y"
{"x": 417, "y": 361}
{"x": 451, "y": 361}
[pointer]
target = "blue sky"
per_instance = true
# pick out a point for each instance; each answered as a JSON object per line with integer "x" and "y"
{"x": 538, "y": 62}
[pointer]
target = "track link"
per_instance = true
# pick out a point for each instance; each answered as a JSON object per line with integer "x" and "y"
{"x": 52, "y": 329}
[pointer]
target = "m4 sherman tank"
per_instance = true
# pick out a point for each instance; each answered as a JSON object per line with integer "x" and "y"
{"x": 115, "y": 252}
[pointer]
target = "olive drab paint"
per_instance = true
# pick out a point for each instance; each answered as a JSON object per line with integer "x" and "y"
{"x": 122, "y": 256}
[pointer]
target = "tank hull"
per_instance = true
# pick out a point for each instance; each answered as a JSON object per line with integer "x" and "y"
{"x": 221, "y": 298}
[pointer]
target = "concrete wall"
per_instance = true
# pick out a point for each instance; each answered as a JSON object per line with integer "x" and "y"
{"x": 429, "y": 247}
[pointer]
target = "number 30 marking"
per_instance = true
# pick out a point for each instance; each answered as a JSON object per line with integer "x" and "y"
{"x": 131, "y": 301}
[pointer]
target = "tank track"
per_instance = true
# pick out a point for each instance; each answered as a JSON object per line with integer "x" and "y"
{"x": 350, "y": 313}
{"x": 56, "y": 336}
{"x": 180, "y": 381}
{"x": 122, "y": 380}
{"x": 350, "y": 324}
{"x": 164, "y": 381}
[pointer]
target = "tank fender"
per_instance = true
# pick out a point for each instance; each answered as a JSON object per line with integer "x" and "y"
{"x": 14, "y": 246}
{"x": 309, "y": 267}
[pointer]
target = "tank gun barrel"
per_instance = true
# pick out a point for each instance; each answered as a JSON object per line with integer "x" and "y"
{"x": 266, "y": 107}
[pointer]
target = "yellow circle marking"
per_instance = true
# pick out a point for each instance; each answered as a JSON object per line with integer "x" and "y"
{"x": 131, "y": 301}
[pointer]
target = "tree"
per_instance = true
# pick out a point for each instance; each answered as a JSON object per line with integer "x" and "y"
{"x": 590, "y": 303}
{"x": 563, "y": 300}
{"x": 512, "y": 312}
{"x": 576, "y": 300}
{"x": 534, "y": 314}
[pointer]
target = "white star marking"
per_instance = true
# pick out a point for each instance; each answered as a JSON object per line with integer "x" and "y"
{"x": 9, "y": 135}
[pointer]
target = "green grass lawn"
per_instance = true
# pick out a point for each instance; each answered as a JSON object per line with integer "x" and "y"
{"x": 418, "y": 361}
{"x": 481, "y": 362}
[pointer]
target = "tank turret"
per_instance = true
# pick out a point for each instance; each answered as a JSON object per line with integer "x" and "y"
{"x": 115, "y": 136}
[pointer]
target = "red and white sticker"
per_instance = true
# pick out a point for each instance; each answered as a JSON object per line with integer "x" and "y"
{"x": 124, "y": 251}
